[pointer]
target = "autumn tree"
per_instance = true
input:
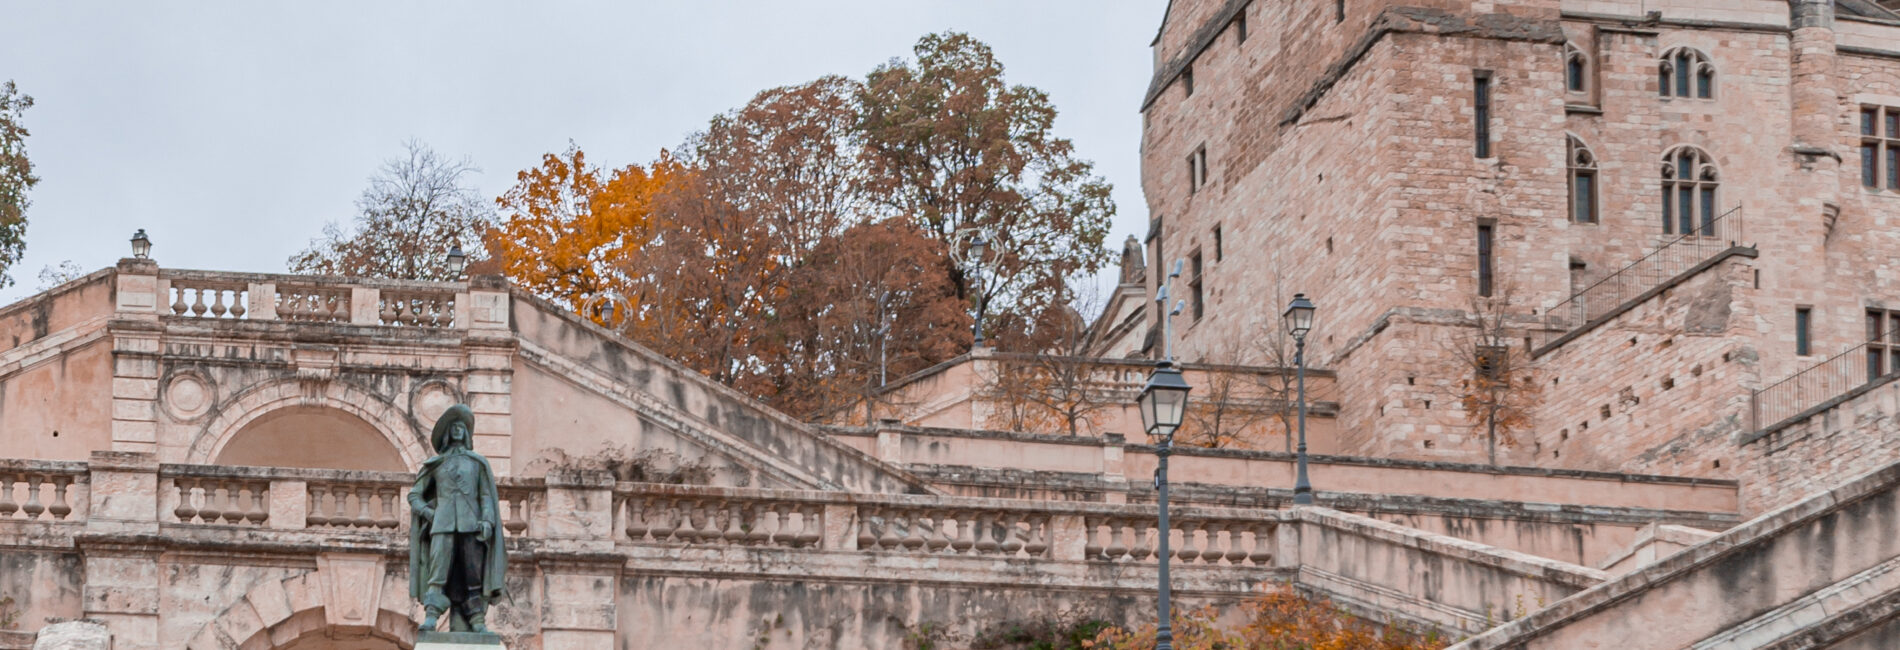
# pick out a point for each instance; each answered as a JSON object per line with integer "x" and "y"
{"x": 417, "y": 208}
{"x": 1499, "y": 389}
{"x": 1055, "y": 388}
{"x": 571, "y": 232}
{"x": 953, "y": 147}
{"x": 866, "y": 305}
{"x": 16, "y": 177}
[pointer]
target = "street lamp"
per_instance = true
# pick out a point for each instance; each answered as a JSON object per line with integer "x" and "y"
{"x": 1299, "y": 320}
{"x": 1163, "y": 402}
{"x": 457, "y": 260}
{"x": 978, "y": 247}
{"x": 141, "y": 245}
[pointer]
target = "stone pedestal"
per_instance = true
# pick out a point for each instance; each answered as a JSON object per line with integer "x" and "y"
{"x": 458, "y": 641}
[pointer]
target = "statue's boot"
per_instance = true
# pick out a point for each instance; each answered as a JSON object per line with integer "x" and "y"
{"x": 432, "y": 607}
{"x": 477, "y": 615}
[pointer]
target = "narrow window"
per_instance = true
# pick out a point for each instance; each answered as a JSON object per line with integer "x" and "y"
{"x": 1240, "y": 27}
{"x": 1339, "y": 11}
{"x": 1880, "y": 147}
{"x": 1682, "y": 74}
{"x": 1217, "y": 246}
{"x": 1576, "y": 69}
{"x": 1187, "y": 80}
{"x": 1583, "y": 186}
{"x": 1484, "y": 259}
{"x": 1481, "y": 116}
{"x": 1193, "y": 175}
{"x": 1802, "y": 332}
{"x": 1876, "y": 350}
{"x": 1194, "y": 285}
{"x": 1200, "y": 165}
{"x": 1662, "y": 79}
{"x": 1704, "y": 82}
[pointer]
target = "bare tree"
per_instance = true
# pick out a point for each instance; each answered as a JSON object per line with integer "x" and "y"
{"x": 1053, "y": 388}
{"x": 1500, "y": 387}
{"x": 1233, "y": 401}
{"x": 418, "y": 207}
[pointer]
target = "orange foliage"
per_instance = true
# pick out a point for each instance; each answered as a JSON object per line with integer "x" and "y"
{"x": 573, "y": 231}
{"x": 1280, "y": 619}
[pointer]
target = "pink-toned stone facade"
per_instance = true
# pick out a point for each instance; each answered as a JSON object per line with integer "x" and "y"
{"x": 1341, "y": 161}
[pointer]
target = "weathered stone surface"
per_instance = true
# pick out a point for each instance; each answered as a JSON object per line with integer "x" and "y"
{"x": 74, "y": 635}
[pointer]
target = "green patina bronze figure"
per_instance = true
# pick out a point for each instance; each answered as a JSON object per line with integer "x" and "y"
{"x": 456, "y": 556}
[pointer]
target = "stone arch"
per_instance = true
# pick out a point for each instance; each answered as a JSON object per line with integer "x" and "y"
{"x": 302, "y": 611}
{"x": 263, "y": 399}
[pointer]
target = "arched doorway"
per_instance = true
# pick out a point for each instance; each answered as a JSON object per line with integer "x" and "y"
{"x": 312, "y": 437}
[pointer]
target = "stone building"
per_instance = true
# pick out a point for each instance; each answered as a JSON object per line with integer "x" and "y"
{"x": 1675, "y": 207}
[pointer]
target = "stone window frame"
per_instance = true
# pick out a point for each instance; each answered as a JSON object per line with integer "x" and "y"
{"x": 1687, "y": 196}
{"x": 1804, "y": 330}
{"x": 1883, "y": 341}
{"x": 1577, "y": 67}
{"x": 1196, "y": 286}
{"x": 1197, "y": 168}
{"x": 1487, "y": 250}
{"x": 1879, "y": 131}
{"x": 1672, "y": 83}
{"x": 1581, "y": 163}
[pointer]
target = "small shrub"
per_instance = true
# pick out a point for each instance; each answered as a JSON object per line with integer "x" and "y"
{"x": 1280, "y": 619}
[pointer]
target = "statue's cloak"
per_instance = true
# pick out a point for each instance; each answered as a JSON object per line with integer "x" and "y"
{"x": 495, "y": 570}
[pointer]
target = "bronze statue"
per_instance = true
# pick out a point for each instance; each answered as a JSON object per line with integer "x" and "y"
{"x": 456, "y": 555}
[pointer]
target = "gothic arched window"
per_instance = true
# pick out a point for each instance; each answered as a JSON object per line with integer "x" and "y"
{"x": 1688, "y": 192}
{"x": 1576, "y": 69}
{"x": 1583, "y": 182}
{"x": 1685, "y": 72}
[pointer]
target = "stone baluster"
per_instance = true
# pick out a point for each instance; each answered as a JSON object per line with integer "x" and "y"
{"x": 985, "y": 535}
{"x": 1038, "y": 540}
{"x": 783, "y": 534}
{"x": 33, "y": 507}
{"x": 197, "y": 302}
{"x": 259, "y": 512}
{"x": 1012, "y": 534}
{"x": 1236, "y": 550}
{"x": 208, "y": 510}
{"x": 236, "y": 506}
{"x": 1142, "y": 545}
{"x": 757, "y": 534}
{"x": 318, "y": 515}
{"x": 966, "y": 532}
{"x": 186, "y": 510}
{"x": 1116, "y": 547}
{"x": 60, "y": 507}
{"x": 1187, "y": 551}
{"x": 888, "y": 539}
{"x": 671, "y": 516}
{"x": 732, "y": 524}
{"x": 914, "y": 535}
{"x": 178, "y": 301}
{"x": 517, "y": 513}
{"x": 1091, "y": 541}
{"x": 237, "y": 303}
{"x": 389, "y": 496}
{"x": 939, "y": 531}
{"x": 866, "y": 540}
{"x": 635, "y": 525}
{"x": 7, "y": 505}
{"x": 218, "y": 309}
{"x": 811, "y": 526}
{"x": 693, "y": 521}
{"x": 1263, "y": 544}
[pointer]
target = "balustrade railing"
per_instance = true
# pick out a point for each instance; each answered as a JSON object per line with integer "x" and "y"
{"x": 313, "y": 304}
{"x": 42, "y": 491}
{"x": 997, "y": 532}
{"x": 1862, "y": 365}
{"x": 417, "y": 308}
{"x": 1674, "y": 256}
{"x": 212, "y": 498}
{"x": 357, "y": 504}
{"x": 1194, "y": 540}
{"x": 709, "y": 520}
{"x": 198, "y": 298}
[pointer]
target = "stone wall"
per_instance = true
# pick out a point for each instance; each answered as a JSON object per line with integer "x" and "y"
{"x": 1815, "y": 454}
{"x": 1810, "y": 574}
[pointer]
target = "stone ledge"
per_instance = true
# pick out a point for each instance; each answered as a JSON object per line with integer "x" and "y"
{"x": 1513, "y": 562}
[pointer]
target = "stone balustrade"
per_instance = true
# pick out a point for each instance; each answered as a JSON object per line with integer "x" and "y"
{"x": 213, "y": 295}
{"x": 42, "y": 490}
{"x": 204, "y": 495}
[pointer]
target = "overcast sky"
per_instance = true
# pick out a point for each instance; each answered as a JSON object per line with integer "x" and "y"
{"x": 232, "y": 131}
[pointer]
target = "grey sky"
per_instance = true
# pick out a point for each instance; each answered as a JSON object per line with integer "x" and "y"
{"x": 232, "y": 131}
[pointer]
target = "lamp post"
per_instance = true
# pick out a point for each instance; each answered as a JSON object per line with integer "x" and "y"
{"x": 1163, "y": 402}
{"x": 457, "y": 260}
{"x": 1299, "y": 320}
{"x": 141, "y": 245}
{"x": 978, "y": 247}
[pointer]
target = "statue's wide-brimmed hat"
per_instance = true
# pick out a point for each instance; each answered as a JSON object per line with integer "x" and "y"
{"x": 457, "y": 413}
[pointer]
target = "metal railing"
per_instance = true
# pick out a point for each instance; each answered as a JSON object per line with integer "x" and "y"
{"x": 1673, "y": 257}
{"x": 1862, "y": 365}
